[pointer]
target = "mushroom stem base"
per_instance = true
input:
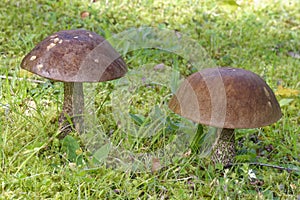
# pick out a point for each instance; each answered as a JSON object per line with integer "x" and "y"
{"x": 71, "y": 117}
{"x": 224, "y": 149}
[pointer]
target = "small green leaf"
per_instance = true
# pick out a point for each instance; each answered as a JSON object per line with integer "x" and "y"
{"x": 230, "y": 2}
{"x": 170, "y": 125}
{"x": 285, "y": 102}
{"x": 102, "y": 153}
{"x": 71, "y": 146}
{"x": 138, "y": 119}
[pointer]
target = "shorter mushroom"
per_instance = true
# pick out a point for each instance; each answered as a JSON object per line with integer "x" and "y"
{"x": 74, "y": 57}
{"x": 226, "y": 98}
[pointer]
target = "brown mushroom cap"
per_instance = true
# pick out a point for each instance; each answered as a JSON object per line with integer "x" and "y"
{"x": 75, "y": 56}
{"x": 226, "y": 98}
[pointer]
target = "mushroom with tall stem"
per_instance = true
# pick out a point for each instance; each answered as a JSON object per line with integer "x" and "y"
{"x": 74, "y": 57}
{"x": 226, "y": 98}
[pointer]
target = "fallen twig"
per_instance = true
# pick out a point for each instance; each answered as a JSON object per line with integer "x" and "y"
{"x": 21, "y": 79}
{"x": 267, "y": 165}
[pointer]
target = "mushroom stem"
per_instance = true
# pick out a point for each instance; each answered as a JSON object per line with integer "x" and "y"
{"x": 224, "y": 149}
{"x": 73, "y": 107}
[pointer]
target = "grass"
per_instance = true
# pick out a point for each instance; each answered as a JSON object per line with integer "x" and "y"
{"x": 247, "y": 34}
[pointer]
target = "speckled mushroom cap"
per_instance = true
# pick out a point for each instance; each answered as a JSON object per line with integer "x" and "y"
{"x": 75, "y": 56}
{"x": 226, "y": 98}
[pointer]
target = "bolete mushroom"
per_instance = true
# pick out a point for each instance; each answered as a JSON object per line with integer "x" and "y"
{"x": 74, "y": 57}
{"x": 226, "y": 98}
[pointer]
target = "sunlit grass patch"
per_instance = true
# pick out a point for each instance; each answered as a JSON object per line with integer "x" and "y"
{"x": 261, "y": 36}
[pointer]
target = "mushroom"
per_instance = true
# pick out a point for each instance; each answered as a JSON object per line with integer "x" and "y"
{"x": 226, "y": 98}
{"x": 74, "y": 57}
